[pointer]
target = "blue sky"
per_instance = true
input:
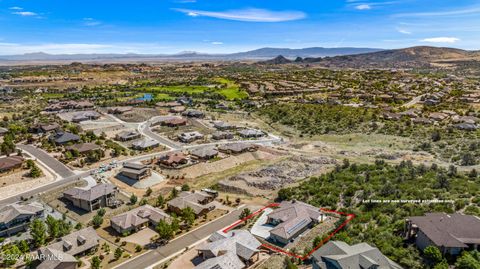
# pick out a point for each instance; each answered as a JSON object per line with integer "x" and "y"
{"x": 220, "y": 26}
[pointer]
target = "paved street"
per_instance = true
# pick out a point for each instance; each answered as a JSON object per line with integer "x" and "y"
{"x": 181, "y": 243}
{"x": 52, "y": 163}
{"x": 144, "y": 129}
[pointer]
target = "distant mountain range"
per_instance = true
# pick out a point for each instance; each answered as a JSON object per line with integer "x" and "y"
{"x": 421, "y": 56}
{"x": 258, "y": 54}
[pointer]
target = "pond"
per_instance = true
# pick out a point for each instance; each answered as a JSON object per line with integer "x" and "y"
{"x": 146, "y": 97}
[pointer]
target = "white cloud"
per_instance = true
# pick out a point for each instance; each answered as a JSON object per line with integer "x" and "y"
{"x": 91, "y": 22}
{"x": 25, "y": 13}
{"x": 15, "y": 8}
{"x": 458, "y": 12}
{"x": 217, "y": 43}
{"x": 248, "y": 15}
{"x": 363, "y": 7}
{"x": 440, "y": 40}
{"x": 403, "y": 31}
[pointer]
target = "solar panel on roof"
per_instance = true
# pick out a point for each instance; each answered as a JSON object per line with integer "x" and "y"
{"x": 296, "y": 226}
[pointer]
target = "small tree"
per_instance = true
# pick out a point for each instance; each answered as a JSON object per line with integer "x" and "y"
{"x": 164, "y": 230}
{"x": 101, "y": 212}
{"x": 35, "y": 172}
{"x": 53, "y": 226}
{"x": 38, "y": 231}
{"x": 185, "y": 187}
{"x": 118, "y": 253}
{"x": 96, "y": 262}
{"x": 188, "y": 216}
{"x": 11, "y": 255}
{"x": 133, "y": 199}
{"x": 433, "y": 254}
{"x": 97, "y": 221}
{"x": 148, "y": 192}
{"x": 160, "y": 201}
{"x": 174, "y": 193}
{"x": 245, "y": 213}
{"x": 143, "y": 201}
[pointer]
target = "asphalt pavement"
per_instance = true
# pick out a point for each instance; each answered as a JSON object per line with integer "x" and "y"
{"x": 179, "y": 244}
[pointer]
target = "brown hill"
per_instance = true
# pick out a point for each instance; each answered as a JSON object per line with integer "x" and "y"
{"x": 413, "y": 57}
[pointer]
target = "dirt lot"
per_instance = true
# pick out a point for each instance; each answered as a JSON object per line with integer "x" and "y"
{"x": 17, "y": 181}
{"x": 275, "y": 176}
{"x": 140, "y": 114}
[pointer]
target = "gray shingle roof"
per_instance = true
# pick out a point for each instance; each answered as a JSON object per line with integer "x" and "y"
{"x": 228, "y": 247}
{"x": 190, "y": 199}
{"x": 352, "y": 257}
{"x": 77, "y": 242}
{"x": 64, "y": 137}
{"x": 54, "y": 258}
{"x": 140, "y": 215}
{"x": 449, "y": 230}
{"x": 293, "y": 217}
{"x": 93, "y": 193}
{"x": 10, "y": 212}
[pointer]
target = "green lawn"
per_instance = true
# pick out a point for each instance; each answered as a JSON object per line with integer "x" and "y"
{"x": 231, "y": 92}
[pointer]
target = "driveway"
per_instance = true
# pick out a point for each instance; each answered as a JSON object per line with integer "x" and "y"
{"x": 260, "y": 228}
{"x": 141, "y": 237}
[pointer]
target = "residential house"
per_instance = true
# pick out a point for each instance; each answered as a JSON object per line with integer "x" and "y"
{"x": 340, "y": 255}
{"x": 174, "y": 122}
{"x": 235, "y": 249}
{"x": 15, "y": 218}
{"x": 466, "y": 126}
{"x": 45, "y": 128}
{"x": 136, "y": 171}
{"x": 127, "y": 135}
{"x": 62, "y": 138}
{"x": 120, "y": 109}
{"x": 177, "y": 109}
{"x": 204, "y": 153}
{"x": 237, "y": 148}
{"x": 221, "y": 125}
{"x": 170, "y": 121}
{"x": 10, "y": 163}
{"x": 451, "y": 233}
{"x": 173, "y": 159}
{"x": 392, "y": 116}
{"x": 465, "y": 119}
{"x": 251, "y": 133}
{"x": 83, "y": 148}
{"x": 3, "y": 131}
{"x": 219, "y": 135}
{"x": 193, "y": 113}
{"x": 421, "y": 120}
{"x": 100, "y": 195}
{"x": 144, "y": 144}
{"x": 168, "y": 104}
{"x": 186, "y": 101}
{"x": 291, "y": 219}
{"x": 189, "y": 137}
{"x": 55, "y": 259}
{"x": 85, "y": 115}
{"x": 438, "y": 116}
{"x": 77, "y": 243}
{"x": 197, "y": 200}
{"x": 138, "y": 218}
